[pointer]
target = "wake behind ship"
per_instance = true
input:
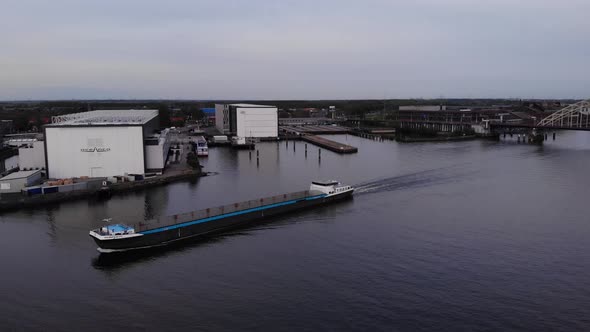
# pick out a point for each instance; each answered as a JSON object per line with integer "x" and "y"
{"x": 162, "y": 231}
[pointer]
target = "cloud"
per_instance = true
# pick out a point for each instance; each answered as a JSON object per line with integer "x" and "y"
{"x": 293, "y": 49}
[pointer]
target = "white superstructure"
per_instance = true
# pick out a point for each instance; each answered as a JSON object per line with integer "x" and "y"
{"x": 330, "y": 187}
{"x": 202, "y": 147}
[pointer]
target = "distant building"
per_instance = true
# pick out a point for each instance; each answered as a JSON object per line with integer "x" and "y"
{"x": 423, "y": 108}
{"x": 208, "y": 111}
{"x": 8, "y": 158}
{"x": 104, "y": 143}
{"x": 247, "y": 120}
{"x": 5, "y": 127}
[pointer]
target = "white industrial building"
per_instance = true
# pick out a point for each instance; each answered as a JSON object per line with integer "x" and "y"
{"x": 31, "y": 155}
{"x": 156, "y": 151}
{"x": 104, "y": 143}
{"x": 247, "y": 120}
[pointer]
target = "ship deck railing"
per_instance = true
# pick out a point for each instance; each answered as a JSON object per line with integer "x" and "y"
{"x": 221, "y": 210}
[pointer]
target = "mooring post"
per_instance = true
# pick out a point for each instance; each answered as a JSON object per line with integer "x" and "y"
{"x": 554, "y": 136}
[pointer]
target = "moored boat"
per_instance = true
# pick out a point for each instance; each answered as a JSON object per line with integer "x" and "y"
{"x": 202, "y": 148}
{"x": 162, "y": 231}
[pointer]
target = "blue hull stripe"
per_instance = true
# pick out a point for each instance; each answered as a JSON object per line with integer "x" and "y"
{"x": 221, "y": 216}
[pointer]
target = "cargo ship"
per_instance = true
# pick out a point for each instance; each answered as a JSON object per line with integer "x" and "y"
{"x": 166, "y": 230}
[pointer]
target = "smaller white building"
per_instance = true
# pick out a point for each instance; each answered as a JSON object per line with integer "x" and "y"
{"x": 32, "y": 156}
{"x": 247, "y": 120}
{"x": 11, "y": 163}
{"x": 15, "y": 182}
{"x": 156, "y": 151}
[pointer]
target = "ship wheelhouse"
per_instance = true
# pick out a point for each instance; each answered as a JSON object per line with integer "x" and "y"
{"x": 329, "y": 187}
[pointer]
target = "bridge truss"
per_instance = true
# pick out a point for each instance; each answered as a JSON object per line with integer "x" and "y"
{"x": 574, "y": 116}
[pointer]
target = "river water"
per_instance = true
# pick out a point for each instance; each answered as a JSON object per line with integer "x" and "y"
{"x": 474, "y": 235}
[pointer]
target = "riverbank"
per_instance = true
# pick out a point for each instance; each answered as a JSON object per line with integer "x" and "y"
{"x": 9, "y": 202}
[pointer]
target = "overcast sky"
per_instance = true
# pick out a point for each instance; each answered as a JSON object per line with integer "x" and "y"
{"x": 272, "y": 49}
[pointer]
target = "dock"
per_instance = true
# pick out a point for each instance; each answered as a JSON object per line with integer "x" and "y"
{"x": 314, "y": 129}
{"x": 329, "y": 144}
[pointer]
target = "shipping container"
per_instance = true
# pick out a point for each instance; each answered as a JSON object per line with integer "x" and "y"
{"x": 34, "y": 191}
{"x": 65, "y": 188}
{"x": 50, "y": 190}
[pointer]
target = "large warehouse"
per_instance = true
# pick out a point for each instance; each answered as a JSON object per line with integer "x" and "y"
{"x": 247, "y": 120}
{"x": 104, "y": 143}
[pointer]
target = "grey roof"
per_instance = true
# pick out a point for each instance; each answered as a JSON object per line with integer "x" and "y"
{"x": 253, "y": 105}
{"x": 19, "y": 175}
{"x": 105, "y": 117}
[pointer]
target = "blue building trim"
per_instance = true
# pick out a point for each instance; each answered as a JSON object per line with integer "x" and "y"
{"x": 232, "y": 214}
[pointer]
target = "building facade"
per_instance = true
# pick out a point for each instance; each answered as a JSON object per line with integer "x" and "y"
{"x": 32, "y": 156}
{"x": 156, "y": 151}
{"x": 5, "y": 127}
{"x": 247, "y": 120}
{"x": 100, "y": 143}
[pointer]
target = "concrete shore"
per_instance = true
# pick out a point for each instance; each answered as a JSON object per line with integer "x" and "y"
{"x": 18, "y": 201}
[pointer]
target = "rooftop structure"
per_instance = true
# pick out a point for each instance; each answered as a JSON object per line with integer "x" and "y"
{"x": 20, "y": 141}
{"x": 105, "y": 117}
{"x": 19, "y": 175}
{"x": 252, "y": 106}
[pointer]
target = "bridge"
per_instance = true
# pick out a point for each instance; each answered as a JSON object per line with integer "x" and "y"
{"x": 531, "y": 122}
{"x": 572, "y": 117}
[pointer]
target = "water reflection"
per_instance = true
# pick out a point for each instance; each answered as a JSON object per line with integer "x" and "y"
{"x": 117, "y": 261}
{"x": 497, "y": 224}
